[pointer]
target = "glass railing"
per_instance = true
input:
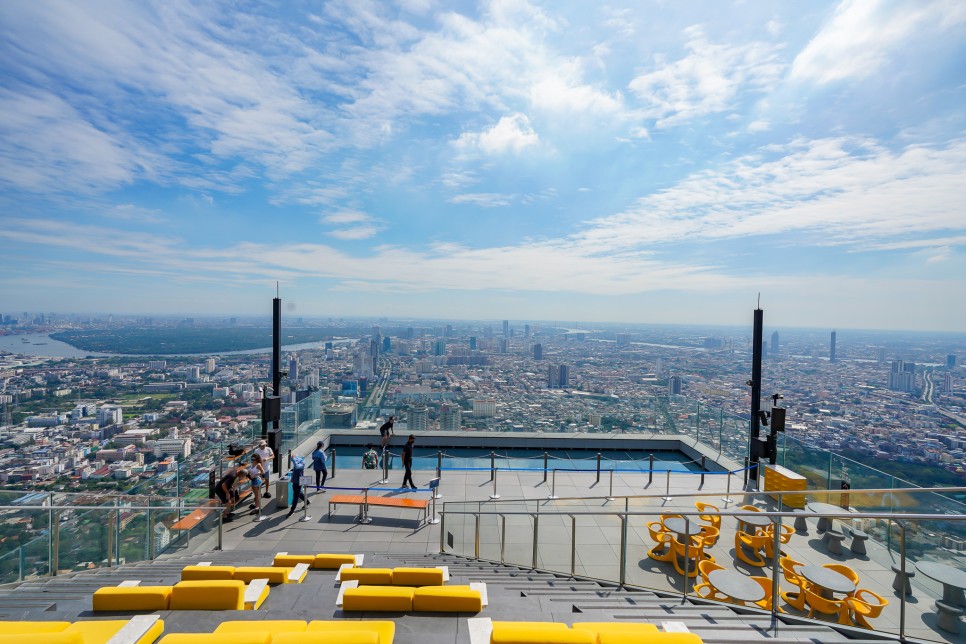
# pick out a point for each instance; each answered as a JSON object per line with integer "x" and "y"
{"x": 614, "y": 541}
{"x": 82, "y": 532}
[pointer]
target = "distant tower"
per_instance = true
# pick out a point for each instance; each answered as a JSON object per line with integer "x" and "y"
{"x": 450, "y": 417}
{"x": 831, "y": 349}
{"x": 880, "y": 355}
{"x": 526, "y": 330}
{"x": 764, "y": 350}
{"x": 553, "y": 375}
{"x": 506, "y": 328}
{"x": 538, "y": 351}
{"x": 564, "y": 378}
{"x": 902, "y": 376}
{"x": 774, "y": 343}
{"x": 472, "y": 343}
{"x": 418, "y": 419}
{"x": 674, "y": 385}
{"x": 951, "y": 360}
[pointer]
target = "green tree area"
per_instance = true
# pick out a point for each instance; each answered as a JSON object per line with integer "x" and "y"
{"x": 921, "y": 475}
{"x": 166, "y": 341}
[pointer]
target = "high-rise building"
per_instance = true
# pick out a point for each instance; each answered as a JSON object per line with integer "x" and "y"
{"x": 293, "y": 367}
{"x": 418, "y": 419}
{"x": 386, "y": 344}
{"x": 506, "y": 328}
{"x": 831, "y": 348}
{"x": 439, "y": 347}
{"x": 210, "y": 365}
{"x": 764, "y": 350}
{"x": 484, "y": 408}
{"x": 880, "y": 355}
{"x": 902, "y": 376}
{"x": 558, "y": 376}
{"x": 504, "y": 345}
{"x": 674, "y": 385}
{"x": 450, "y": 417}
{"x": 472, "y": 343}
{"x": 951, "y": 360}
{"x": 526, "y": 330}
{"x": 538, "y": 351}
{"x": 947, "y": 383}
{"x": 774, "y": 343}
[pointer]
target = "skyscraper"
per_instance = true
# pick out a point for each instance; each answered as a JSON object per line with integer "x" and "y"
{"x": 880, "y": 355}
{"x": 418, "y": 419}
{"x": 674, "y": 385}
{"x": 450, "y": 418}
{"x": 902, "y": 376}
{"x": 774, "y": 342}
{"x": 564, "y": 376}
{"x": 951, "y": 360}
{"x": 506, "y": 328}
{"x": 472, "y": 343}
{"x": 538, "y": 351}
{"x": 831, "y": 349}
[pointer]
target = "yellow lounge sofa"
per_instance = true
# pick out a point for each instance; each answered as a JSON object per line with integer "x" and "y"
{"x": 131, "y": 598}
{"x": 208, "y": 595}
{"x": 378, "y": 598}
{"x": 450, "y": 599}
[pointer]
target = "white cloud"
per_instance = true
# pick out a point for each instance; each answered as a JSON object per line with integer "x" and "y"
{"x": 355, "y": 225}
{"x": 511, "y": 134}
{"x": 707, "y": 81}
{"x": 761, "y": 125}
{"x": 345, "y": 217}
{"x": 356, "y": 232}
{"x": 861, "y": 35}
{"x": 483, "y": 199}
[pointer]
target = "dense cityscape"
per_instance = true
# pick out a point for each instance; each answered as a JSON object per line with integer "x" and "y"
{"x": 153, "y": 422}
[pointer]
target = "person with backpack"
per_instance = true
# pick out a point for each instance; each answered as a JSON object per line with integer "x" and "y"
{"x": 298, "y": 471}
{"x": 318, "y": 464}
{"x": 370, "y": 459}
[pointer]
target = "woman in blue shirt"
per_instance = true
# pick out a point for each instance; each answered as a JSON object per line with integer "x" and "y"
{"x": 318, "y": 464}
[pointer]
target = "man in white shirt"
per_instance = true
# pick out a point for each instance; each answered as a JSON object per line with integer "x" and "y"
{"x": 268, "y": 458}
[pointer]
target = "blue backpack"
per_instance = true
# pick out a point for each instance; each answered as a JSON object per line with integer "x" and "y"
{"x": 298, "y": 465}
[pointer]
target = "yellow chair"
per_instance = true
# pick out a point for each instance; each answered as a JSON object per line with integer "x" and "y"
{"x": 825, "y": 606}
{"x": 795, "y": 600}
{"x": 865, "y": 605}
{"x": 844, "y": 570}
{"x": 705, "y": 590}
{"x": 786, "y": 535}
{"x": 708, "y": 536}
{"x": 766, "y": 603}
{"x": 665, "y": 517}
{"x": 749, "y": 508}
{"x": 695, "y": 550}
{"x": 711, "y": 514}
{"x": 662, "y": 550}
{"x": 754, "y": 543}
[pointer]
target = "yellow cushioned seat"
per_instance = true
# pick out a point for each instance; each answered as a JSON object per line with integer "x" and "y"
{"x": 417, "y": 577}
{"x": 196, "y": 573}
{"x": 380, "y": 598}
{"x": 141, "y": 598}
{"x": 24, "y": 628}
{"x": 332, "y": 562}
{"x": 272, "y": 574}
{"x": 538, "y": 633}
{"x": 269, "y": 625}
{"x": 615, "y": 637}
{"x": 97, "y": 631}
{"x": 635, "y": 628}
{"x": 450, "y": 599}
{"x": 368, "y": 576}
{"x": 261, "y": 637}
{"x": 42, "y": 638}
{"x": 217, "y": 594}
{"x": 290, "y": 561}
{"x": 384, "y": 628}
{"x": 329, "y": 637}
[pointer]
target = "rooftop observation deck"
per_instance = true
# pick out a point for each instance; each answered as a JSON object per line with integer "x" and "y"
{"x": 582, "y": 556}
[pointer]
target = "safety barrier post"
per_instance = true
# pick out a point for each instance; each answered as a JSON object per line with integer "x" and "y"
{"x": 727, "y": 496}
{"x": 687, "y": 556}
{"x": 536, "y": 532}
{"x": 650, "y": 469}
{"x": 150, "y": 534}
{"x": 573, "y": 547}
{"x": 23, "y": 563}
{"x": 553, "y": 485}
{"x": 332, "y": 475}
{"x": 598, "y": 467}
{"x": 305, "y": 506}
{"x": 364, "y": 510}
{"x": 777, "y": 546}
{"x": 494, "y": 495}
{"x": 546, "y": 458}
{"x": 220, "y": 534}
{"x": 502, "y": 538}
{"x": 667, "y": 490}
{"x": 492, "y": 466}
{"x": 476, "y": 539}
{"x": 623, "y": 571}
{"x": 905, "y": 580}
{"x": 610, "y": 492}
{"x": 385, "y": 466}
{"x": 54, "y": 527}
{"x": 702, "y": 471}
{"x": 745, "y": 481}
{"x": 439, "y": 464}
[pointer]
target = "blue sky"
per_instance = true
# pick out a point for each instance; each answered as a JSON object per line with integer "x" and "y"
{"x": 647, "y": 162}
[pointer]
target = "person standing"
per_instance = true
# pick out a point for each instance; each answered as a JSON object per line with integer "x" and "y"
{"x": 370, "y": 459}
{"x": 386, "y": 431}
{"x": 268, "y": 462}
{"x": 298, "y": 471}
{"x": 407, "y": 458}
{"x": 225, "y": 491}
{"x": 318, "y": 464}
{"x": 256, "y": 472}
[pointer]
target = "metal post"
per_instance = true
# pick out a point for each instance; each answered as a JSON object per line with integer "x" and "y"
{"x": 23, "y": 563}
{"x": 50, "y": 538}
{"x": 364, "y": 510}
{"x": 476, "y": 538}
{"x": 439, "y": 463}
{"x": 573, "y": 547}
{"x": 220, "y": 526}
{"x": 435, "y": 519}
{"x": 305, "y": 505}
{"x": 667, "y": 492}
{"x": 623, "y": 572}
{"x": 776, "y": 559}
{"x": 55, "y": 554}
{"x": 492, "y": 466}
{"x": 536, "y": 532}
{"x": 687, "y": 555}
{"x": 744, "y": 481}
{"x": 650, "y": 469}
{"x": 385, "y": 466}
{"x": 502, "y": 538}
{"x": 598, "y": 467}
{"x": 117, "y": 535}
{"x": 727, "y": 496}
{"x": 610, "y": 492}
{"x": 905, "y": 580}
{"x": 110, "y": 539}
{"x": 553, "y": 485}
{"x": 332, "y": 475}
{"x": 703, "y": 469}
{"x": 187, "y": 533}
{"x": 494, "y": 495}
{"x": 546, "y": 458}
{"x": 151, "y": 545}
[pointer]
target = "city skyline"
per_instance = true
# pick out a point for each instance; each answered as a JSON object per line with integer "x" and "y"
{"x": 653, "y": 164}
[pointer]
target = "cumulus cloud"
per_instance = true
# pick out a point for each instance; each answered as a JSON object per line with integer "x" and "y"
{"x": 512, "y": 133}
{"x": 483, "y": 199}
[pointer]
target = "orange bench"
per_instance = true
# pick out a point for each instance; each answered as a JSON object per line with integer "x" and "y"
{"x": 196, "y": 517}
{"x": 365, "y": 503}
